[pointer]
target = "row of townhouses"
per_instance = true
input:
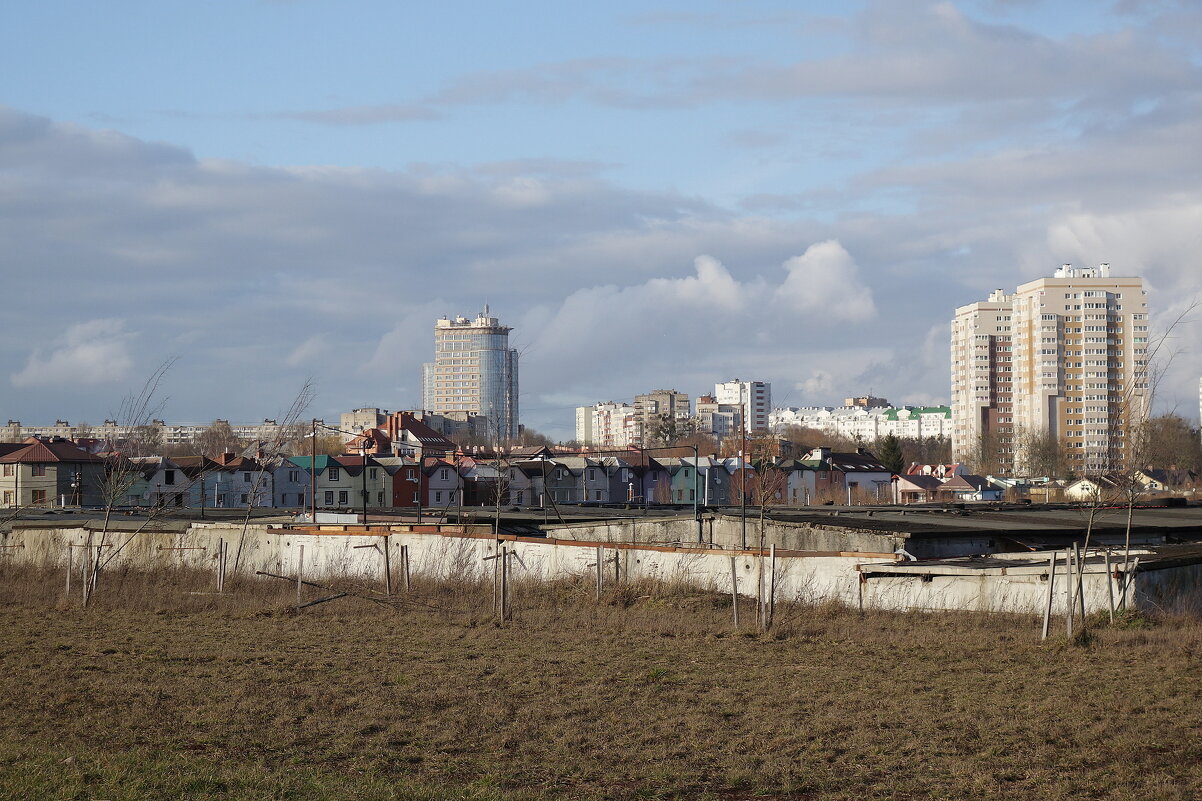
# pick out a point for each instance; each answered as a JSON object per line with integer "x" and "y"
{"x": 45, "y": 473}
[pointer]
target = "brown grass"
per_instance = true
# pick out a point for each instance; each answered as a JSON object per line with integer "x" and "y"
{"x": 157, "y": 693}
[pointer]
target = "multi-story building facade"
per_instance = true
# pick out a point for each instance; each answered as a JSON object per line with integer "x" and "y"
{"x": 474, "y": 371}
{"x": 1076, "y": 368}
{"x": 607, "y": 425}
{"x": 858, "y": 422}
{"x": 718, "y": 419}
{"x": 982, "y": 379}
{"x": 654, "y": 407}
{"x": 754, "y": 396}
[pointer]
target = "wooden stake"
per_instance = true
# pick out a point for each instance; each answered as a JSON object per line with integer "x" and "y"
{"x": 504, "y": 584}
{"x": 600, "y": 566}
{"x": 217, "y": 564}
{"x": 734, "y": 590}
{"x": 1109, "y": 584}
{"x": 1081, "y": 583}
{"x": 300, "y": 566}
{"x": 1072, "y": 601}
{"x": 405, "y": 562}
{"x": 387, "y": 568}
{"x": 70, "y": 567}
{"x": 771, "y": 588}
{"x": 1047, "y": 609}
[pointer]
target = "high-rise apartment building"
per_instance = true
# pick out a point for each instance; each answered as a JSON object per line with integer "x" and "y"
{"x": 1064, "y": 357}
{"x": 754, "y": 396}
{"x": 653, "y": 407}
{"x": 982, "y": 418}
{"x": 607, "y": 425}
{"x": 474, "y": 370}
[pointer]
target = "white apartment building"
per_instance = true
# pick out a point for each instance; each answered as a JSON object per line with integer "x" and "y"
{"x": 982, "y": 377}
{"x": 474, "y": 370}
{"x": 754, "y": 396}
{"x": 718, "y": 419}
{"x": 1076, "y": 367}
{"x": 607, "y": 425}
{"x": 857, "y": 422}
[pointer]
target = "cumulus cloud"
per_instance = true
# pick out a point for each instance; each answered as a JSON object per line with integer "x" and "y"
{"x": 824, "y": 283}
{"x": 92, "y": 352}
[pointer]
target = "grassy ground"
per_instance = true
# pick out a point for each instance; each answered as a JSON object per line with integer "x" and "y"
{"x": 154, "y": 693}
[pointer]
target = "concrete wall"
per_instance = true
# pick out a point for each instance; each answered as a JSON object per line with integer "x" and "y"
{"x": 461, "y": 552}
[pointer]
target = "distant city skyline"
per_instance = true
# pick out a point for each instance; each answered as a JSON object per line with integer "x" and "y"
{"x": 651, "y": 195}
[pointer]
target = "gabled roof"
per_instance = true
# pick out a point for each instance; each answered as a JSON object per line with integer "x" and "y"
{"x": 968, "y": 482}
{"x": 194, "y": 466}
{"x": 40, "y": 452}
{"x": 428, "y": 437}
{"x": 925, "y": 483}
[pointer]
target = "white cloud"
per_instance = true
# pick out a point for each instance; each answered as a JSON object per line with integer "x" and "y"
{"x": 824, "y": 283}
{"x": 93, "y": 352}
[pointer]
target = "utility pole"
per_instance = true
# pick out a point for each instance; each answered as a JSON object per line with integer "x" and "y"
{"x": 743, "y": 465}
{"x": 363, "y": 453}
{"x": 313, "y": 474}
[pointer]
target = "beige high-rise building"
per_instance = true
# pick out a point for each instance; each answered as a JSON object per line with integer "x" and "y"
{"x": 1067, "y": 357}
{"x": 474, "y": 371}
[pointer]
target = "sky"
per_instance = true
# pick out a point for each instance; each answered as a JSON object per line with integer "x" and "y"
{"x": 654, "y": 195}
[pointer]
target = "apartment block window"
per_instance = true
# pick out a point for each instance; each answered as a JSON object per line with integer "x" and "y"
{"x": 333, "y": 474}
{"x": 37, "y": 470}
{"x": 342, "y": 498}
{"x": 329, "y": 497}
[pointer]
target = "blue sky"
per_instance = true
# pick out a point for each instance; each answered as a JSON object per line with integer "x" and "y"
{"x": 653, "y": 194}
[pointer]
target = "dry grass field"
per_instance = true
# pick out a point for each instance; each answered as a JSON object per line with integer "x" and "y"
{"x": 155, "y": 693}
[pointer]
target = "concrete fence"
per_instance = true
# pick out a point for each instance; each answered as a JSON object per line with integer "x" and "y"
{"x": 858, "y": 579}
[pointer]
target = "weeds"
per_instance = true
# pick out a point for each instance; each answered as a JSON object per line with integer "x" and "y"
{"x": 163, "y": 689}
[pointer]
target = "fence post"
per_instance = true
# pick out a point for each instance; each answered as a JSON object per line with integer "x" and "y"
{"x": 387, "y": 568}
{"x": 1047, "y": 609}
{"x": 405, "y": 562}
{"x": 1109, "y": 584}
{"x": 734, "y": 589}
{"x": 217, "y": 564}
{"x": 771, "y": 589}
{"x": 600, "y": 566}
{"x": 1072, "y": 599}
{"x": 300, "y": 567}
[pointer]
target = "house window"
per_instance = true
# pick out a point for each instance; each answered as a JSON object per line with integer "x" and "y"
{"x": 245, "y": 498}
{"x": 246, "y": 477}
{"x": 692, "y": 495}
{"x": 592, "y": 474}
{"x": 37, "y": 470}
{"x": 294, "y": 475}
{"x": 333, "y": 474}
{"x": 380, "y": 498}
{"x": 438, "y": 497}
{"x": 39, "y": 497}
{"x": 372, "y": 474}
{"x": 168, "y": 476}
{"x": 444, "y": 474}
{"x": 598, "y": 495}
{"x": 342, "y": 498}
{"x": 8, "y": 469}
{"x": 8, "y": 496}
{"x": 329, "y": 497}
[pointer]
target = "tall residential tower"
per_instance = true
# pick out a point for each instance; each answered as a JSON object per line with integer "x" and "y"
{"x": 1064, "y": 357}
{"x": 474, "y": 370}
